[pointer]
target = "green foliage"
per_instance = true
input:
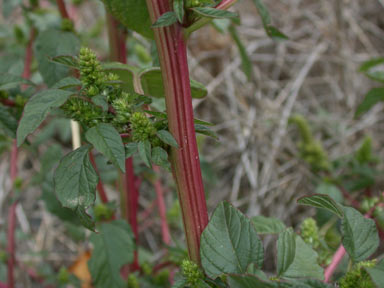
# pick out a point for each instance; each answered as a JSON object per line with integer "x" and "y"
{"x": 286, "y": 250}
{"x": 264, "y": 225}
{"x": 229, "y": 243}
{"x": 364, "y": 154}
{"x": 358, "y": 276}
{"x": 322, "y": 201}
{"x": 310, "y": 232}
{"x": 360, "y": 237}
{"x": 113, "y": 247}
{"x": 311, "y": 151}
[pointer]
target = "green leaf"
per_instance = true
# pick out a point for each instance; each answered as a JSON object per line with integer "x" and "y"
{"x": 167, "y": 19}
{"x": 130, "y": 149}
{"x": 101, "y": 101}
{"x": 152, "y": 84}
{"x": 360, "y": 238}
{"x": 373, "y": 97}
{"x": 214, "y": 13}
{"x": 66, "y": 60}
{"x": 85, "y": 219}
{"x": 286, "y": 250}
{"x": 113, "y": 247}
{"x": 249, "y": 281}
{"x": 205, "y": 131}
{"x": 304, "y": 264}
{"x": 9, "y": 81}
{"x": 377, "y": 274}
{"x": 374, "y": 69}
{"x": 37, "y": 109}
{"x": 178, "y": 7}
{"x": 125, "y": 72}
{"x": 76, "y": 179}
{"x": 160, "y": 157}
{"x": 246, "y": 62}
{"x": 131, "y": 13}
{"x": 266, "y": 19}
{"x": 106, "y": 139}
{"x": 145, "y": 152}
{"x": 51, "y": 43}
{"x": 66, "y": 83}
{"x": 322, "y": 201}
{"x": 8, "y": 123}
{"x": 229, "y": 243}
{"x": 270, "y": 225}
{"x": 167, "y": 138}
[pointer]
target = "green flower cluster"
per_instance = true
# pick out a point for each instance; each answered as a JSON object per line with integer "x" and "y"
{"x": 132, "y": 281}
{"x": 310, "y": 232}
{"x": 91, "y": 74}
{"x": 142, "y": 127}
{"x": 83, "y": 111}
{"x": 191, "y": 272}
{"x": 311, "y": 151}
{"x": 364, "y": 154}
{"x": 310, "y": 235}
{"x": 358, "y": 276}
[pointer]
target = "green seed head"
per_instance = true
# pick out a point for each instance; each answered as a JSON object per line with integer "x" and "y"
{"x": 191, "y": 272}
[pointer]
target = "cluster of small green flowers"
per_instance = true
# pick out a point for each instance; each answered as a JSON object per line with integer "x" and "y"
{"x": 102, "y": 212}
{"x": 191, "y": 272}
{"x": 132, "y": 281}
{"x": 67, "y": 25}
{"x": 310, "y": 232}
{"x": 142, "y": 127}
{"x": 310, "y": 235}
{"x": 91, "y": 73}
{"x": 123, "y": 109}
{"x": 311, "y": 151}
{"x": 83, "y": 111}
{"x": 358, "y": 277}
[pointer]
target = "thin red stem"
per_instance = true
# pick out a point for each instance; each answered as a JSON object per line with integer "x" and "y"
{"x": 161, "y": 206}
{"x": 62, "y": 9}
{"x": 337, "y": 257}
{"x": 11, "y": 244}
{"x": 185, "y": 161}
{"x": 100, "y": 187}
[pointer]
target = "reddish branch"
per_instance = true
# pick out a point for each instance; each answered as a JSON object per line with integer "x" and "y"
{"x": 100, "y": 187}
{"x": 63, "y": 9}
{"x": 172, "y": 51}
{"x": 11, "y": 244}
{"x": 161, "y": 206}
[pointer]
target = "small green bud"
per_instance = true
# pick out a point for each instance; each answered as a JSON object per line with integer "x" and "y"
{"x": 102, "y": 212}
{"x": 18, "y": 183}
{"x": 132, "y": 281}
{"x": 3, "y": 256}
{"x": 146, "y": 268}
{"x": 67, "y": 25}
{"x": 161, "y": 278}
{"x": 310, "y": 232}
{"x": 63, "y": 276}
{"x": 358, "y": 276}
{"x": 191, "y": 272}
{"x": 142, "y": 127}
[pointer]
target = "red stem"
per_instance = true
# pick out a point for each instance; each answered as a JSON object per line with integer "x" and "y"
{"x": 11, "y": 244}
{"x": 117, "y": 43}
{"x": 172, "y": 52}
{"x": 63, "y": 9}
{"x": 162, "y": 208}
{"x": 8, "y": 102}
{"x": 100, "y": 187}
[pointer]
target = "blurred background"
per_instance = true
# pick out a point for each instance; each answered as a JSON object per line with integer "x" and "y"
{"x": 255, "y": 85}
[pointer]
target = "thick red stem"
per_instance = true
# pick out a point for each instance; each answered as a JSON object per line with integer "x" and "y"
{"x": 100, "y": 187}
{"x": 162, "y": 208}
{"x": 117, "y": 38}
{"x": 185, "y": 161}
{"x": 63, "y": 9}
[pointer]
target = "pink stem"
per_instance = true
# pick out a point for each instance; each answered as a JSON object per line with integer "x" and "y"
{"x": 63, "y": 10}
{"x": 162, "y": 209}
{"x": 337, "y": 257}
